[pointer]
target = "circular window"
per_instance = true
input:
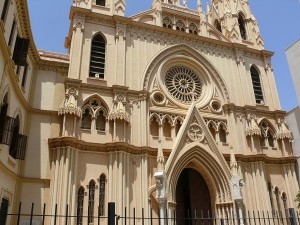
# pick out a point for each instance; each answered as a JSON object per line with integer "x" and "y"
{"x": 183, "y": 84}
{"x": 158, "y": 98}
{"x": 216, "y": 106}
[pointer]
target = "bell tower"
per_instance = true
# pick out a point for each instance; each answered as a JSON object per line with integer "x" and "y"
{"x": 235, "y": 20}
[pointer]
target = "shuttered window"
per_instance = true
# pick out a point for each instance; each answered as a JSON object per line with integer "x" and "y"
{"x": 256, "y": 86}
{"x": 20, "y": 51}
{"x": 3, "y": 211}
{"x": 4, "y": 10}
{"x": 100, "y": 2}
{"x": 7, "y": 132}
{"x": 97, "y": 61}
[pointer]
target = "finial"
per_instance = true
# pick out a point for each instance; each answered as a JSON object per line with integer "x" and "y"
{"x": 185, "y": 3}
{"x": 160, "y": 157}
{"x": 233, "y": 163}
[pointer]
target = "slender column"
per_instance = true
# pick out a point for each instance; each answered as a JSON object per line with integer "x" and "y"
{"x": 115, "y": 131}
{"x": 124, "y": 131}
{"x": 283, "y": 147}
{"x": 64, "y": 126}
{"x": 287, "y": 183}
{"x": 110, "y": 178}
{"x": 74, "y": 126}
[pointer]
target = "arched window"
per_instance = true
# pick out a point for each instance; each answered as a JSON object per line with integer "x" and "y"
{"x": 271, "y": 198}
{"x": 3, "y": 115}
{"x": 102, "y": 194}
{"x": 278, "y": 203}
{"x": 256, "y": 85}
{"x": 218, "y": 25}
{"x": 154, "y": 127}
{"x": 86, "y": 120}
{"x": 177, "y": 126}
{"x": 180, "y": 26}
{"x": 242, "y": 26}
{"x": 91, "y": 201}
{"x": 212, "y": 130}
{"x": 97, "y": 62}
{"x": 167, "y": 23}
{"x": 100, "y": 121}
{"x": 284, "y": 201}
{"x": 100, "y": 2}
{"x": 193, "y": 29}
{"x": 80, "y": 198}
{"x": 167, "y": 128}
{"x": 222, "y": 134}
{"x": 267, "y": 134}
{"x": 14, "y": 140}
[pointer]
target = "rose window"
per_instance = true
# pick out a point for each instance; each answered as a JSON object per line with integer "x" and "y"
{"x": 183, "y": 84}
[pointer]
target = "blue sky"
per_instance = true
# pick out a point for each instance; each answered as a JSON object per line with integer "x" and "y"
{"x": 278, "y": 21}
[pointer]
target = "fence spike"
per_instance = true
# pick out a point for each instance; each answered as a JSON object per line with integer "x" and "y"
{"x": 31, "y": 213}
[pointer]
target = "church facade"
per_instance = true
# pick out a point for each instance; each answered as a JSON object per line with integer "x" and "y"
{"x": 172, "y": 108}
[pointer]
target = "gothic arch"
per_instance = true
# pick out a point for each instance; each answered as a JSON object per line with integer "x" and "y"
{"x": 103, "y": 102}
{"x": 199, "y": 157}
{"x": 190, "y": 54}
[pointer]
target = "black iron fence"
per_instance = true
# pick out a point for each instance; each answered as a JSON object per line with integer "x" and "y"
{"x": 151, "y": 217}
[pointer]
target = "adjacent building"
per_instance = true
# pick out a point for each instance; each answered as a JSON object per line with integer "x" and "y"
{"x": 172, "y": 108}
{"x": 293, "y": 116}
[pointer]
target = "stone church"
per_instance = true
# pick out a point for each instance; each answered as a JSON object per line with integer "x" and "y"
{"x": 170, "y": 109}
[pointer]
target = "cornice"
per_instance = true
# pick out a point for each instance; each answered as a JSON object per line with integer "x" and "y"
{"x": 163, "y": 33}
{"x": 257, "y": 109}
{"x": 63, "y": 142}
{"x": 262, "y": 158}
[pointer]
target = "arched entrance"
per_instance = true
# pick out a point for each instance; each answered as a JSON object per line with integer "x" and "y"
{"x": 192, "y": 197}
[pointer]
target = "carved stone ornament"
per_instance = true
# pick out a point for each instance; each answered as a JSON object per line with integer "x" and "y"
{"x": 120, "y": 30}
{"x": 252, "y": 127}
{"x": 195, "y": 132}
{"x": 282, "y": 130}
{"x": 119, "y": 112}
{"x": 69, "y": 106}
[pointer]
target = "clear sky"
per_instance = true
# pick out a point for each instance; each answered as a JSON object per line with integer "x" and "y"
{"x": 278, "y": 20}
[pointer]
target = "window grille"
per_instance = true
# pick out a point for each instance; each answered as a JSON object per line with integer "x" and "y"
{"x": 91, "y": 201}
{"x": 102, "y": 195}
{"x": 256, "y": 86}
{"x": 80, "y": 199}
{"x": 14, "y": 140}
{"x": 97, "y": 61}
{"x": 7, "y": 132}
{"x": 3, "y": 211}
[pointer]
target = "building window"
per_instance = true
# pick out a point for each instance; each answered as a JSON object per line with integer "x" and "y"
{"x": 91, "y": 201}
{"x": 86, "y": 120}
{"x": 271, "y": 198}
{"x": 278, "y": 203}
{"x": 212, "y": 129}
{"x": 242, "y": 26}
{"x": 180, "y": 26}
{"x": 102, "y": 194}
{"x": 97, "y": 62}
{"x": 24, "y": 78}
{"x": 256, "y": 85}
{"x": 14, "y": 140}
{"x": 12, "y": 32}
{"x": 100, "y": 121}
{"x": 4, "y": 10}
{"x": 284, "y": 201}
{"x": 80, "y": 198}
{"x": 193, "y": 29}
{"x": 218, "y": 25}
{"x": 154, "y": 126}
{"x": 177, "y": 126}
{"x": 222, "y": 134}
{"x": 167, "y": 23}
{"x": 20, "y": 51}
{"x": 3, "y": 211}
{"x": 267, "y": 134}
{"x": 100, "y": 2}
{"x": 6, "y": 123}
{"x": 167, "y": 127}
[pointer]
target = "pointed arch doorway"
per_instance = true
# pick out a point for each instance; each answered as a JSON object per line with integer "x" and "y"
{"x": 192, "y": 197}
